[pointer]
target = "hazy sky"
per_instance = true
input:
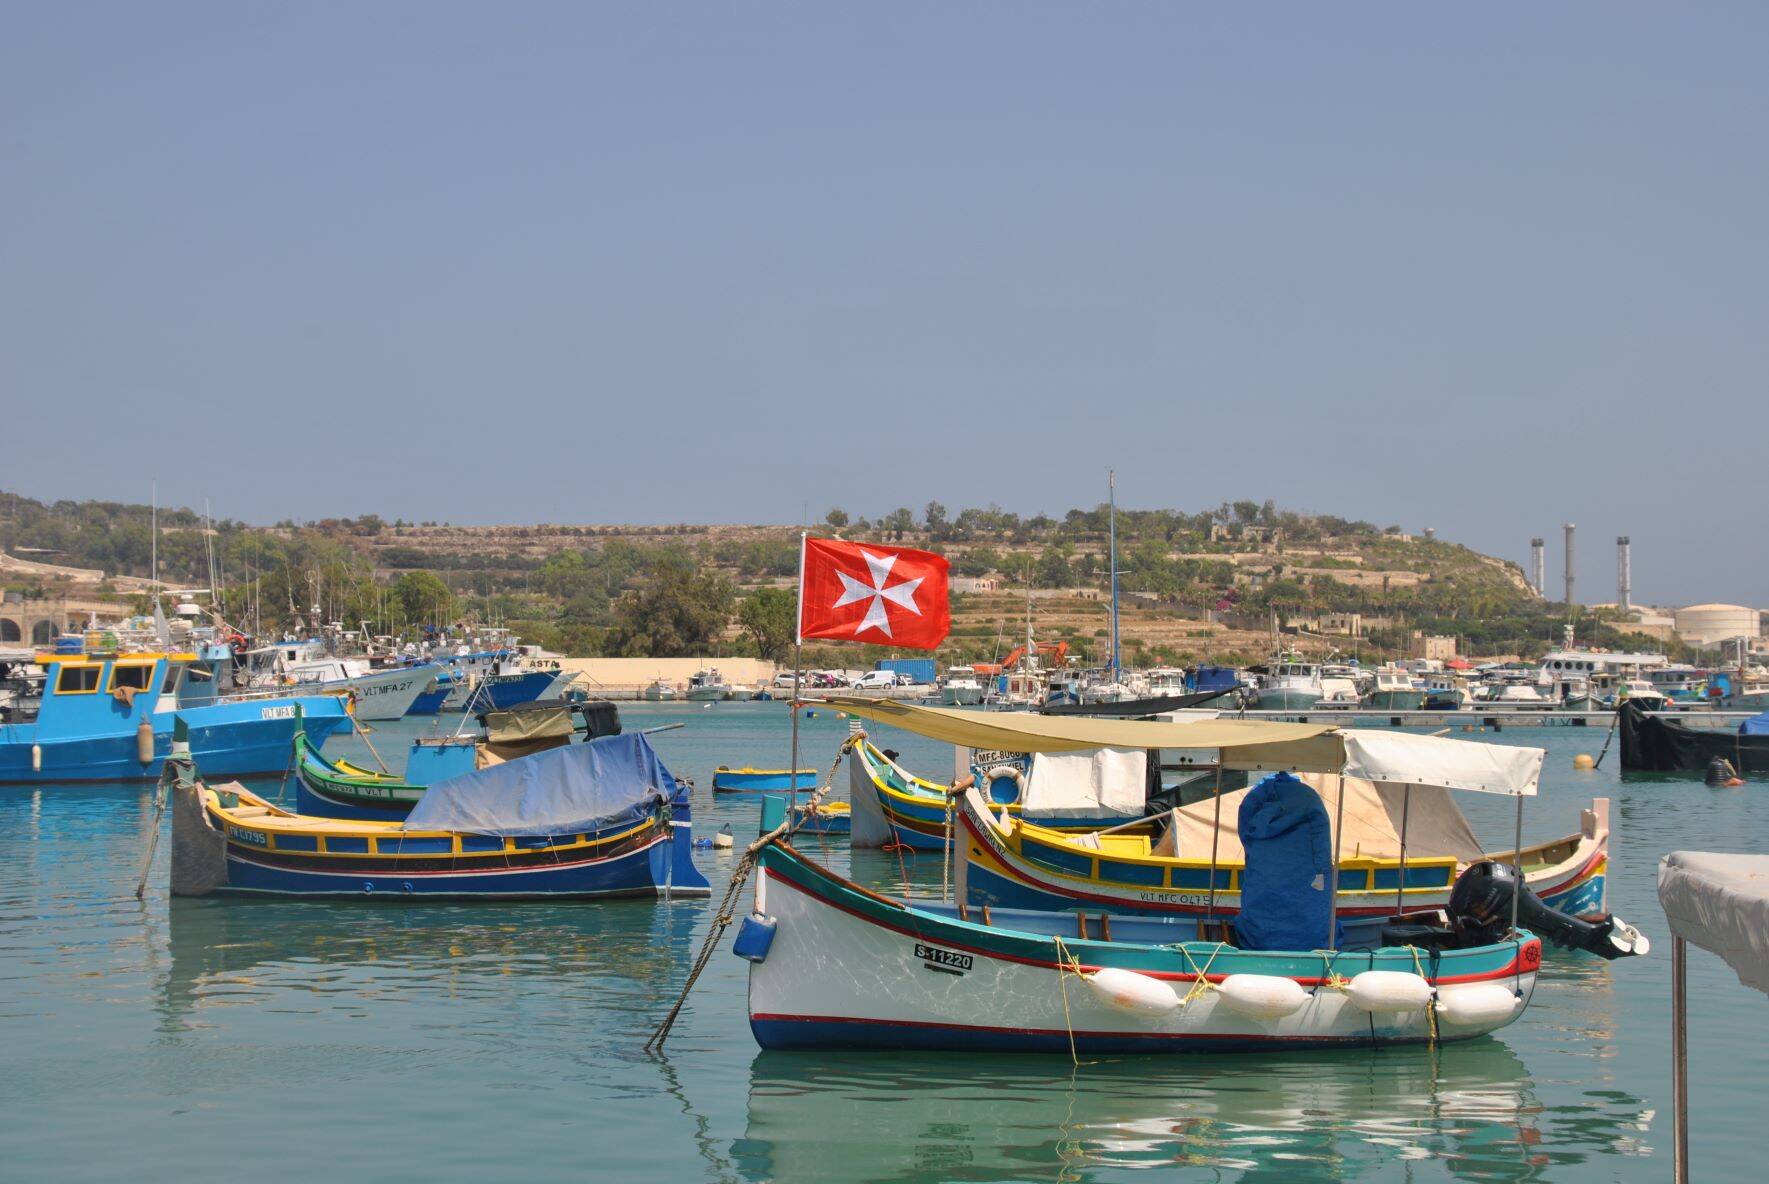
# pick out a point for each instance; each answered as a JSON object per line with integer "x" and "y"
{"x": 1470, "y": 267}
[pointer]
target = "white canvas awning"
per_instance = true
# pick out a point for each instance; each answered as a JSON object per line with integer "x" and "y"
{"x": 1721, "y": 903}
{"x": 1096, "y": 783}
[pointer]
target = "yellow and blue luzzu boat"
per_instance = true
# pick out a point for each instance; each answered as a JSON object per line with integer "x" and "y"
{"x": 603, "y": 818}
{"x": 1162, "y": 866}
{"x": 892, "y": 805}
{"x": 748, "y": 780}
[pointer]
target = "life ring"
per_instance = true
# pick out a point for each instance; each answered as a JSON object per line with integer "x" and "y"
{"x": 1004, "y": 773}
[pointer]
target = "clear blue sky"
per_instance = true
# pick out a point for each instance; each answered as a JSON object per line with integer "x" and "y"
{"x": 1476, "y": 268}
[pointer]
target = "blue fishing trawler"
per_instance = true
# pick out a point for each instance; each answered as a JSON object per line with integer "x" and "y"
{"x": 109, "y": 717}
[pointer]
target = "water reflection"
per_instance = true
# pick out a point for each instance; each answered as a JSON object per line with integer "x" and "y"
{"x": 1472, "y": 1109}
{"x": 231, "y": 952}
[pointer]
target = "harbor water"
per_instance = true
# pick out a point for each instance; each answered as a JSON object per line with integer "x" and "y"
{"x": 270, "y": 1041}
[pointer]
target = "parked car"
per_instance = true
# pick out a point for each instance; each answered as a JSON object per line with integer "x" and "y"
{"x": 821, "y": 680}
{"x": 876, "y": 680}
{"x": 784, "y": 679}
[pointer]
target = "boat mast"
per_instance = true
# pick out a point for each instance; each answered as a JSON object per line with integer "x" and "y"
{"x": 1112, "y": 520}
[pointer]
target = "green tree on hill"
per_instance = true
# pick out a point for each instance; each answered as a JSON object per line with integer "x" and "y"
{"x": 676, "y": 611}
{"x": 767, "y": 616}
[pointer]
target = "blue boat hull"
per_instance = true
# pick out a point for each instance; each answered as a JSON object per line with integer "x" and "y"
{"x": 430, "y": 702}
{"x": 662, "y": 866}
{"x": 767, "y": 781}
{"x": 501, "y": 692}
{"x": 238, "y": 739}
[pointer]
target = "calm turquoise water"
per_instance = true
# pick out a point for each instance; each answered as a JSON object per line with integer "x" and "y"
{"x": 259, "y": 1041}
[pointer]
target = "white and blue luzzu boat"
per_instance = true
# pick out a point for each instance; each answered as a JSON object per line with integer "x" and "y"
{"x": 834, "y": 965}
{"x": 110, "y": 717}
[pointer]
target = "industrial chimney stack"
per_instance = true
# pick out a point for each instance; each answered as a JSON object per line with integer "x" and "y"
{"x": 1569, "y": 576}
{"x": 1624, "y": 573}
{"x": 1538, "y": 566}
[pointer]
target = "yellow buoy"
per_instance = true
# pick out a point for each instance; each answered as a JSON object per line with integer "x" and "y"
{"x": 1583, "y": 761}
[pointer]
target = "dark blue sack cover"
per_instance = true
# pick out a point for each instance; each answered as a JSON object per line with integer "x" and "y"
{"x": 1756, "y": 725}
{"x": 1288, "y": 839}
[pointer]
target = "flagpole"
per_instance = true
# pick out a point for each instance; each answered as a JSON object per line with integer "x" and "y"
{"x": 798, "y": 662}
{"x": 1112, "y": 495}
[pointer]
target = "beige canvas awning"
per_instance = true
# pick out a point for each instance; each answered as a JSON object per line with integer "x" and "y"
{"x": 1389, "y": 758}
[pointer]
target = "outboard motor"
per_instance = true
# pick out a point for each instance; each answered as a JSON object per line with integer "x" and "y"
{"x": 1480, "y": 912}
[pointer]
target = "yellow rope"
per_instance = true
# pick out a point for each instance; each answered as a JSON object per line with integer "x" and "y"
{"x": 1067, "y": 964}
{"x": 1430, "y": 1004}
{"x": 1201, "y": 984}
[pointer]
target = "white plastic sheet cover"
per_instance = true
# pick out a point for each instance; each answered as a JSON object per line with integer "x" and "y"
{"x": 1106, "y": 782}
{"x": 1400, "y": 758}
{"x": 611, "y": 782}
{"x": 1720, "y": 903}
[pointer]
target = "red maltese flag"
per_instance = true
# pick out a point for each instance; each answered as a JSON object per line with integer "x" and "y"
{"x": 892, "y": 596}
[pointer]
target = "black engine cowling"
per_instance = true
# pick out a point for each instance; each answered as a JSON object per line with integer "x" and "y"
{"x": 1480, "y": 913}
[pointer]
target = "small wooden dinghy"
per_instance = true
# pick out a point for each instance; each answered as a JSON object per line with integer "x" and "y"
{"x": 748, "y": 780}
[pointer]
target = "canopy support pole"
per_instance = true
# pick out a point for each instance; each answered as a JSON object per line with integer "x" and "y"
{"x": 1680, "y": 1059}
{"x": 1517, "y": 862}
{"x": 1333, "y": 885}
{"x": 1400, "y": 885}
{"x": 1215, "y": 839}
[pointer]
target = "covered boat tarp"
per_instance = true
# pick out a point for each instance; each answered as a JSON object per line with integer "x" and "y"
{"x": 607, "y": 783}
{"x": 1104, "y": 782}
{"x": 1134, "y": 708}
{"x": 1651, "y": 742}
{"x": 1251, "y": 745}
{"x": 1756, "y": 725}
{"x": 1285, "y": 901}
{"x": 1720, "y": 903}
{"x": 525, "y": 730}
{"x": 1435, "y": 825}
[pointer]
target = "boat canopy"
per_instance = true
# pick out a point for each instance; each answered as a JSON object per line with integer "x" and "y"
{"x": 1394, "y": 758}
{"x": 1756, "y": 725}
{"x": 1721, "y": 903}
{"x": 607, "y": 783}
{"x": 1372, "y": 821}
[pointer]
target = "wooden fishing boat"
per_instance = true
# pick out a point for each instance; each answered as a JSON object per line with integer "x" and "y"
{"x": 603, "y": 818}
{"x": 1162, "y": 867}
{"x": 338, "y": 789}
{"x": 892, "y": 805}
{"x": 748, "y": 780}
{"x": 834, "y": 965}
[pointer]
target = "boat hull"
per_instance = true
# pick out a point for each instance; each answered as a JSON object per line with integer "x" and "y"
{"x": 849, "y": 969}
{"x": 1287, "y": 699}
{"x": 500, "y": 692}
{"x": 238, "y": 738}
{"x": 1397, "y": 700}
{"x": 223, "y": 849}
{"x": 763, "y": 781}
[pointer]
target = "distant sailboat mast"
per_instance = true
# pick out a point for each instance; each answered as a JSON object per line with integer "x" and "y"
{"x": 1112, "y": 519}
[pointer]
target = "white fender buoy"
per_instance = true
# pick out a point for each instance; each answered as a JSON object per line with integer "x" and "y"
{"x": 1389, "y": 990}
{"x": 1476, "y": 1004}
{"x": 36, "y": 758}
{"x": 1263, "y": 996}
{"x": 723, "y": 838}
{"x": 1129, "y": 991}
{"x": 144, "y": 743}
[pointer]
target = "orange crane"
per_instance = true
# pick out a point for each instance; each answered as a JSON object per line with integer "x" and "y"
{"x": 1055, "y": 651}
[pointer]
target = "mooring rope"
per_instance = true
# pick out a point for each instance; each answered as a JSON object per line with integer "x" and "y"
{"x": 739, "y": 875}
{"x": 1067, "y": 964}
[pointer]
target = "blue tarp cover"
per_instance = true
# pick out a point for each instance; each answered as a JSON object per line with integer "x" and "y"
{"x": 601, "y": 784}
{"x": 1756, "y": 725}
{"x": 1288, "y": 840}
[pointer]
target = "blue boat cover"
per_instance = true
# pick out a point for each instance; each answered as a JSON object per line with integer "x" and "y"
{"x": 600, "y": 784}
{"x": 1288, "y": 841}
{"x": 1756, "y": 725}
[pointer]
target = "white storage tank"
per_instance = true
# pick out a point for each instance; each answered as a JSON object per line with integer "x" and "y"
{"x": 1708, "y": 624}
